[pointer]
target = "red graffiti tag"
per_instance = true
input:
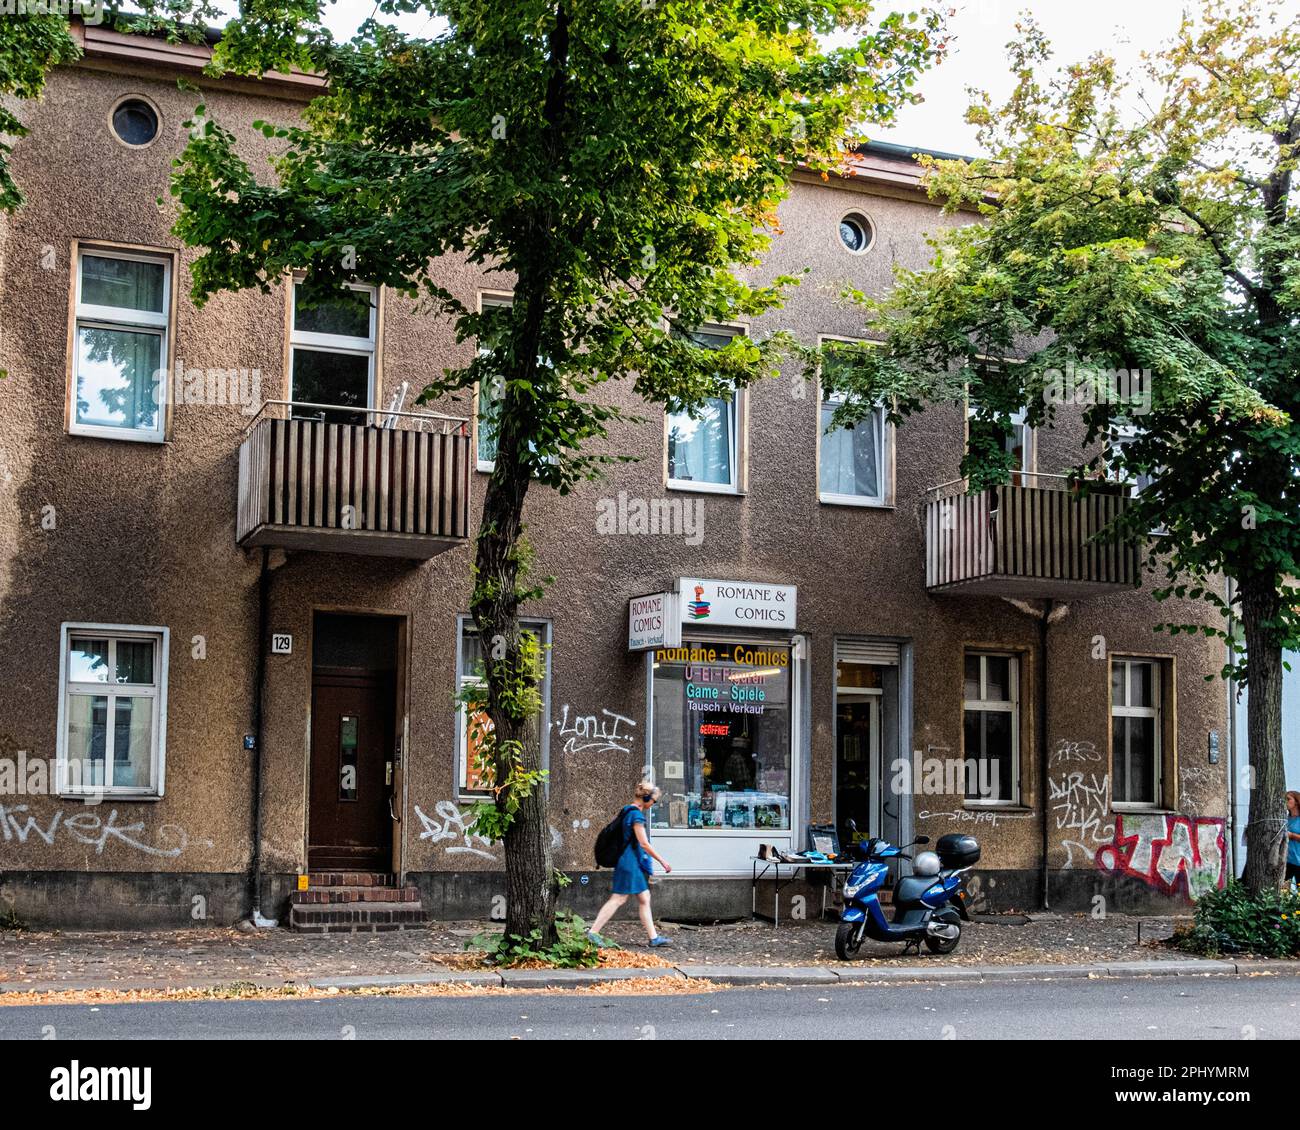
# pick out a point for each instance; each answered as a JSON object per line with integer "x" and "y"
{"x": 1170, "y": 853}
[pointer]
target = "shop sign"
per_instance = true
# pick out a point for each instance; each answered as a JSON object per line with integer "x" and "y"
{"x": 653, "y": 621}
{"x": 741, "y": 604}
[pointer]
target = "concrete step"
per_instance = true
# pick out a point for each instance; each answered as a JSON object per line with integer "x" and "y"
{"x": 357, "y": 917}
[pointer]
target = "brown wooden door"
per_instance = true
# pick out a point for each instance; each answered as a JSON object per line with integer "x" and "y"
{"x": 349, "y": 826}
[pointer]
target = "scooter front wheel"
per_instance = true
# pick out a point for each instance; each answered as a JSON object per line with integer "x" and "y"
{"x": 847, "y": 940}
{"x": 936, "y": 944}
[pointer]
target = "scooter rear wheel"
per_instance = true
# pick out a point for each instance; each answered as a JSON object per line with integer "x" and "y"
{"x": 847, "y": 940}
{"x": 942, "y": 945}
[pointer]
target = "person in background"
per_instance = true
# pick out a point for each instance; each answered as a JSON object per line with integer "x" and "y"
{"x": 631, "y": 875}
{"x": 1293, "y": 836}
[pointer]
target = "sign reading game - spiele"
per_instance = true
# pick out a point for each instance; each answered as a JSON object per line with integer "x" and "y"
{"x": 744, "y": 604}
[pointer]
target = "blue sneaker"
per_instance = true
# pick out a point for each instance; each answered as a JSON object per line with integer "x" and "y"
{"x": 603, "y": 943}
{"x": 660, "y": 940}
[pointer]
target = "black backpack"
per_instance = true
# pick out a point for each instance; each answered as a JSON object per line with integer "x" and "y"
{"x": 612, "y": 841}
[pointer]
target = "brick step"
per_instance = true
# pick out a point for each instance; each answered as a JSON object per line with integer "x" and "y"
{"x": 368, "y": 917}
{"x": 354, "y": 894}
{"x": 350, "y": 879}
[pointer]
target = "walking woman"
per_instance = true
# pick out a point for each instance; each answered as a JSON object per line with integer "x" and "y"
{"x": 634, "y": 867}
{"x": 1292, "y": 836}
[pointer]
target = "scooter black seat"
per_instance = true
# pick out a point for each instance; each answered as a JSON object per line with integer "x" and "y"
{"x": 913, "y": 887}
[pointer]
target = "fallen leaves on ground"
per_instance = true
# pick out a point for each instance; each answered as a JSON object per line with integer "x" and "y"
{"x": 630, "y": 986}
{"x": 609, "y": 959}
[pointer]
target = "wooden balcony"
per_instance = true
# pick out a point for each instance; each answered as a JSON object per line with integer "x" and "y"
{"x": 392, "y": 484}
{"x": 1036, "y": 537}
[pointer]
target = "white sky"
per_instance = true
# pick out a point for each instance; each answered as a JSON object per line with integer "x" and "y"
{"x": 976, "y": 58}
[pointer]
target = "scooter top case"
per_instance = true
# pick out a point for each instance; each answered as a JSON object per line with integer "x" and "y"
{"x": 955, "y": 851}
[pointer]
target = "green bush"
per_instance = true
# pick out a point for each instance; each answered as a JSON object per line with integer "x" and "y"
{"x": 572, "y": 949}
{"x": 1232, "y": 921}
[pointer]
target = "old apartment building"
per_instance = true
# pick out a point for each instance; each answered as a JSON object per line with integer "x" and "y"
{"x": 844, "y": 624}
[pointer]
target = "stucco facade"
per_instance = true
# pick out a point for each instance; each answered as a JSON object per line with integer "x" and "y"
{"x": 98, "y": 531}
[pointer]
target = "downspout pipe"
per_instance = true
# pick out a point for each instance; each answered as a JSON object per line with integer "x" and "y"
{"x": 1043, "y": 759}
{"x": 259, "y": 728}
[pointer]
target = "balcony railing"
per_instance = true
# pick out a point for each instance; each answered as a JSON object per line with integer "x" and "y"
{"x": 1037, "y": 536}
{"x": 346, "y": 480}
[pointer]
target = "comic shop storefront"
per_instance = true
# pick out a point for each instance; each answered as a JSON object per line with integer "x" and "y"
{"x": 724, "y": 684}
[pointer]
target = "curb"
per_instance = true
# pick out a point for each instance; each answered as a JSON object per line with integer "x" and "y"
{"x": 735, "y": 975}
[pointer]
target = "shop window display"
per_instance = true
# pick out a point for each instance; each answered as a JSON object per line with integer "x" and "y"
{"x": 722, "y": 736}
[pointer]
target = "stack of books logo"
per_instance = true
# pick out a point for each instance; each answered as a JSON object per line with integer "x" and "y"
{"x": 698, "y": 608}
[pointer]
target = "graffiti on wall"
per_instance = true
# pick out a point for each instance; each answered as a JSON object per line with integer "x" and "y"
{"x": 18, "y": 825}
{"x": 606, "y": 732}
{"x": 974, "y": 816}
{"x": 1169, "y": 853}
{"x": 1080, "y": 802}
{"x": 450, "y": 823}
{"x": 1070, "y": 752}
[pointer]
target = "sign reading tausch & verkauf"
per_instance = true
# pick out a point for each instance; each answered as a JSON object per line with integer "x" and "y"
{"x": 745, "y": 604}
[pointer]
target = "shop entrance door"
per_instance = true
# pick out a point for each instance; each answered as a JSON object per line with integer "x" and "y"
{"x": 353, "y": 744}
{"x": 857, "y": 763}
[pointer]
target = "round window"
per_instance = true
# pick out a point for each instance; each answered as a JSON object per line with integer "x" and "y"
{"x": 135, "y": 121}
{"x": 855, "y": 232}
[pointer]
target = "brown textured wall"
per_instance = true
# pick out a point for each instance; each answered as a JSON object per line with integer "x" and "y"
{"x": 145, "y": 534}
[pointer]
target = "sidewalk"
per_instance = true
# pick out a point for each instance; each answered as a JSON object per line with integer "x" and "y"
{"x": 733, "y": 953}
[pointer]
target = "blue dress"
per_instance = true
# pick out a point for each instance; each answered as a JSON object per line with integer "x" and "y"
{"x": 629, "y": 873}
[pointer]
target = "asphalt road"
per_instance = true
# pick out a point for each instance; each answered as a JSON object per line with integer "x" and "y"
{"x": 1230, "y": 1008}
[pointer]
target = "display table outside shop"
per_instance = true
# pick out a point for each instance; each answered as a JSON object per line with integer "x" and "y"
{"x": 793, "y": 868}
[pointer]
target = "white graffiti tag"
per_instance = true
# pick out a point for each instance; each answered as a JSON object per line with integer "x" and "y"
{"x": 589, "y": 732}
{"x": 85, "y": 827}
{"x": 1080, "y": 802}
{"x": 1068, "y": 751}
{"x": 450, "y": 824}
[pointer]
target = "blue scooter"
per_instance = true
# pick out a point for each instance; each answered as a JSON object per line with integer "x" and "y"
{"x": 929, "y": 905}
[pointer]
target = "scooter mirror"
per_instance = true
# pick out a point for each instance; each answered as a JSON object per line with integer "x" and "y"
{"x": 921, "y": 840}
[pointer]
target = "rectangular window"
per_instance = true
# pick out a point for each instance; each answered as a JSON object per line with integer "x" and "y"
{"x": 991, "y": 728}
{"x": 1019, "y": 444}
{"x": 121, "y": 345}
{"x": 704, "y": 448}
{"x": 852, "y": 462}
{"x": 1135, "y": 732}
{"x": 721, "y": 736}
{"x": 113, "y": 710}
{"x": 333, "y": 355}
{"x": 490, "y": 394}
{"x": 474, "y": 778}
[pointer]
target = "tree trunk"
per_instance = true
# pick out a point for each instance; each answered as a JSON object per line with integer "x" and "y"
{"x": 1266, "y": 823}
{"x": 530, "y": 887}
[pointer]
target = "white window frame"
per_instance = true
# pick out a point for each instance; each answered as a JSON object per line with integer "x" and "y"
{"x": 984, "y": 704}
{"x": 1154, "y": 712}
{"x": 486, "y": 299}
{"x": 542, "y": 629}
{"x": 884, "y": 453}
{"x": 93, "y": 316}
{"x": 338, "y": 343}
{"x": 1029, "y": 436}
{"x": 735, "y": 437}
{"x": 157, "y": 691}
